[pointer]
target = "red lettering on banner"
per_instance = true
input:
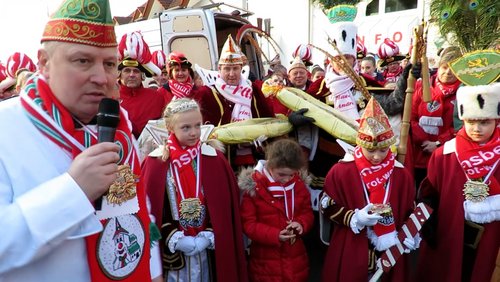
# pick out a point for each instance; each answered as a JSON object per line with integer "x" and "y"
{"x": 378, "y": 38}
{"x": 397, "y": 36}
{"x": 481, "y": 157}
{"x": 361, "y": 39}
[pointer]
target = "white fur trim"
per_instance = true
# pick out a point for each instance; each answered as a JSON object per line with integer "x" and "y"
{"x": 384, "y": 242}
{"x": 449, "y": 147}
{"x": 158, "y": 152}
{"x": 479, "y": 102}
{"x": 483, "y": 212}
{"x": 347, "y": 46}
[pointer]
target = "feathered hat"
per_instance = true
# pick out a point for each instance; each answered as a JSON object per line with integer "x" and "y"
{"x": 134, "y": 52}
{"x": 388, "y": 52}
{"x": 480, "y": 97}
{"x": 304, "y": 52}
{"x": 160, "y": 60}
{"x": 230, "y": 54}
{"x": 5, "y": 81}
{"x": 85, "y": 22}
{"x": 360, "y": 50}
{"x": 18, "y": 62}
{"x": 472, "y": 25}
{"x": 374, "y": 132}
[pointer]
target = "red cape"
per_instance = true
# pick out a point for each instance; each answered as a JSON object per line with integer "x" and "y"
{"x": 222, "y": 195}
{"x": 443, "y": 186}
{"x": 347, "y": 255}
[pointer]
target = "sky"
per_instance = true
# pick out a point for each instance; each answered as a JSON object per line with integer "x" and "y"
{"x": 22, "y": 23}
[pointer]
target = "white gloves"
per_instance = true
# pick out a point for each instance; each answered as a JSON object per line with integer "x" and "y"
{"x": 201, "y": 243}
{"x": 412, "y": 244}
{"x": 190, "y": 245}
{"x": 186, "y": 244}
{"x": 362, "y": 218}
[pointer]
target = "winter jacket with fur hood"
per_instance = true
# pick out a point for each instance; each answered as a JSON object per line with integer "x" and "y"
{"x": 263, "y": 217}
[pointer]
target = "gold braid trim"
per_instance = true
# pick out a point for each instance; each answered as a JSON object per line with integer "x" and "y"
{"x": 347, "y": 217}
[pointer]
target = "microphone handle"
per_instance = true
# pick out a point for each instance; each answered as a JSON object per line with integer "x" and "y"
{"x": 105, "y": 134}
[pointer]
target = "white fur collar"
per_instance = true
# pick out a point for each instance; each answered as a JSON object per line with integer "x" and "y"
{"x": 206, "y": 150}
{"x": 450, "y": 147}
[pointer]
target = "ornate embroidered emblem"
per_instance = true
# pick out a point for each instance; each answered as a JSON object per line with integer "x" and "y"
{"x": 385, "y": 211}
{"x": 433, "y": 106}
{"x": 123, "y": 189}
{"x": 192, "y": 213}
{"x": 120, "y": 246}
{"x": 475, "y": 191}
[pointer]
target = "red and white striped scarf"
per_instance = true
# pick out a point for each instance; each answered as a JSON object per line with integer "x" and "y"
{"x": 277, "y": 189}
{"x": 375, "y": 180}
{"x": 180, "y": 89}
{"x": 55, "y": 121}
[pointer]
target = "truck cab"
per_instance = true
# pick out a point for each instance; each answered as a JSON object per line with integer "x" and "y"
{"x": 200, "y": 34}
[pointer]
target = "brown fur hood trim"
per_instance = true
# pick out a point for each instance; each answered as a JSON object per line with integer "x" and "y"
{"x": 247, "y": 184}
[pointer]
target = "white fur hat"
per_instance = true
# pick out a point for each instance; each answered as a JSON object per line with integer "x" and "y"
{"x": 479, "y": 102}
{"x": 343, "y": 34}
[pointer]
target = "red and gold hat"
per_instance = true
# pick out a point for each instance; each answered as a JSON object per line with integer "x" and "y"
{"x": 84, "y": 21}
{"x": 159, "y": 59}
{"x": 375, "y": 132}
{"x": 230, "y": 54}
{"x": 133, "y": 51}
{"x": 18, "y": 62}
{"x": 296, "y": 63}
{"x": 360, "y": 50}
{"x": 388, "y": 52}
{"x": 304, "y": 52}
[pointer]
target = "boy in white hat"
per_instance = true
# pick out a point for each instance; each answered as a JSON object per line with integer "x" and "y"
{"x": 462, "y": 186}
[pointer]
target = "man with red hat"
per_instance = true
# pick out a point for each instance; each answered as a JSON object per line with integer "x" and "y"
{"x": 391, "y": 58}
{"x": 142, "y": 103}
{"x": 160, "y": 60}
{"x": 54, "y": 171}
{"x": 230, "y": 96}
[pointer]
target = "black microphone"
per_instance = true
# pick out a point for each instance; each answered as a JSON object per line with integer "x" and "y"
{"x": 108, "y": 118}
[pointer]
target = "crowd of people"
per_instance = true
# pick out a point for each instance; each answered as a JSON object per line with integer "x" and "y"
{"x": 303, "y": 206}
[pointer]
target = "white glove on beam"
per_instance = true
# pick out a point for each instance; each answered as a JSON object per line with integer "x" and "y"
{"x": 412, "y": 244}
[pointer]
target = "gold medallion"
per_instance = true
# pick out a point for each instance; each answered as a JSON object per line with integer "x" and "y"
{"x": 475, "y": 191}
{"x": 192, "y": 213}
{"x": 123, "y": 189}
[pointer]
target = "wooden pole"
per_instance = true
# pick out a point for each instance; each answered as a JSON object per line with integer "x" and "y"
{"x": 405, "y": 122}
{"x": 426, "y": 87}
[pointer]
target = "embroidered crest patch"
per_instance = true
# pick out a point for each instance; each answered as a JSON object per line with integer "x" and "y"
{"x": 120, "y": 246}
